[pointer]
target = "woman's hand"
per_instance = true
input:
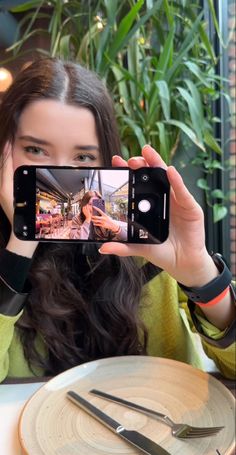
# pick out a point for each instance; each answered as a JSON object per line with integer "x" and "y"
{"x": 104, "y": 221}
{"x": 87, "y": 211}
{"x": 183, "y": 255}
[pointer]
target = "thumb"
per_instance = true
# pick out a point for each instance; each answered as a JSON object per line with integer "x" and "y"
{"x": 120, "y": 249}
{"x": 126, "y": 249}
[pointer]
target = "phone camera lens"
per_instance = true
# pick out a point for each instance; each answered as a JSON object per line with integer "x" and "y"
{"x": 145, "y": 178}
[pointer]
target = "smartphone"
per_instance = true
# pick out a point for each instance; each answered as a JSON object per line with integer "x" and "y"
{"x": 49, "y": 203}
{"x": 100, "y": 203}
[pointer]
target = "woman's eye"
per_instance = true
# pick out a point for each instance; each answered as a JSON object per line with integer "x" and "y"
{"x": 84, "y": 158}
{"x": 34, "y": 150}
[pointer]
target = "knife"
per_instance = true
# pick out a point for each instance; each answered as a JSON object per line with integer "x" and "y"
{"x": 141, "y": 442}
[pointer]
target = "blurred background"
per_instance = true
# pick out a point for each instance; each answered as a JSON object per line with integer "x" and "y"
{"x": 170, "y": 66}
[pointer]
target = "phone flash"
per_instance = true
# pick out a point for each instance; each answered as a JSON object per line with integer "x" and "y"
{"x": 25, "y": 172}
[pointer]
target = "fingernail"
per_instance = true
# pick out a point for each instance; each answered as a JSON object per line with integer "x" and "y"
{"x": 101, "y": 251}
{"x": 147, "y": 145}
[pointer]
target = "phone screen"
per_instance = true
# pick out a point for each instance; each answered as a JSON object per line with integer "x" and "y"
{"x": 91, "y": 204}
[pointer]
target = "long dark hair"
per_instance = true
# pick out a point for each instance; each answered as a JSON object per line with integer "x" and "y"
{"x": 82, "y": 306}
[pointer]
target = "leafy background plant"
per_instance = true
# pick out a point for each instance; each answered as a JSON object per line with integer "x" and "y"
{"x": 158, "y": 62}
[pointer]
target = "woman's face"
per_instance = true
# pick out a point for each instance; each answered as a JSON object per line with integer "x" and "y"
{"x": 52, "y": 133}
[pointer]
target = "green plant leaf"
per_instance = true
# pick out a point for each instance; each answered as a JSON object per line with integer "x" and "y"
{"x": 202, "y": 183}
{"x": 26, "y": 6}
{"x": 125, "y": 152}
{"x": 164, "y": 96}
{"x": 164, "y": 143}
{"x": 169, "y": 13}
{"x": 196, "y": 116}
{"x": 204, "y": 37}
{"x": 122, "y": 87}
{"x": 219, "y": 212}
{"x": 64, "y": 46}
{"x": 165, "y": 55}
{"x": 216, "y": 24}
{"x": 207, "y": 43}
{"x": 188, "y": 131}
{"x": 194, "y": 68}
{"x": 218, "y": 194}
{"x": 211, "y": 142}
{"x": 123, "y": 29}
{"x": 187, "y": 44}
{"x": 136, "y": 130}
{"x": 16, "y": 45}
{"x": 125, "y": 33}
{"x": 104, "y": 39}
{"x": 196, "y": 98}
{"x": 111, "y": 9}
{"x": 133, "y": 59}
{"x": 212, "y": 165}
{"x": 83, "y": 51}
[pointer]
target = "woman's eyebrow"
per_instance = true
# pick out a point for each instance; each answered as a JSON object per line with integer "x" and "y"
{"x": 43, "y": 142}
{"x": 86, "y": 147}
{"x": 35, "y": 139}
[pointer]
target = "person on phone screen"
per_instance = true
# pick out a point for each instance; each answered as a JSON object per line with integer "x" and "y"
{"x": 65, "y": 304}
{"x": 92, "y": 223}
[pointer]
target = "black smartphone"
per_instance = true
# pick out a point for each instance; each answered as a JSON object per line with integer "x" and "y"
{"x": 50, "y": 203}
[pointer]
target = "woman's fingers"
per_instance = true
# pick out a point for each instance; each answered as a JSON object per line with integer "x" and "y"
{"x": 181, "y": 194}
{"x": 149, "y": 158}
{"x": 136, "y": 162}
{"x": 98, "y": 219}
{"x": 152, "y": 158}
{"x": 98, "y": 210}
{"x": 117, "y": 161}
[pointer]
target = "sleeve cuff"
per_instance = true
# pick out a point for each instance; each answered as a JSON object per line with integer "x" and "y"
{"x": 11, "y": 302}
{"x": 14, "y": 269}
{"x": 211, "y": 334}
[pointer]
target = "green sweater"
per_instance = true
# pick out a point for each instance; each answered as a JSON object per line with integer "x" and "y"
{"x": 165, "y": 313}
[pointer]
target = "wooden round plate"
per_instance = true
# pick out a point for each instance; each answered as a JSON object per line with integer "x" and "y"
{"x": 51, "y": 424}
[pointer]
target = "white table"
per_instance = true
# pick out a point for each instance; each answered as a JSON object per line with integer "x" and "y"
{"x": 12, "y": 399}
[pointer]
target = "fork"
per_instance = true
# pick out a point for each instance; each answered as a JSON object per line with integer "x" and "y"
{"x": 178, "y": 430}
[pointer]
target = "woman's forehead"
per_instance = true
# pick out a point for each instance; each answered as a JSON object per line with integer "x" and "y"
{"x": 49, "y": 119}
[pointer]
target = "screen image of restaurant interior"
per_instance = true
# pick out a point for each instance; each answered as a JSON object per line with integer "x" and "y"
{"x": 60, "y": 191}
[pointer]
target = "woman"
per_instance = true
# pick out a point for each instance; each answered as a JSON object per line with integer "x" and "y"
{"x": 62, "y": 305}
{"x": 92, "y": 223}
